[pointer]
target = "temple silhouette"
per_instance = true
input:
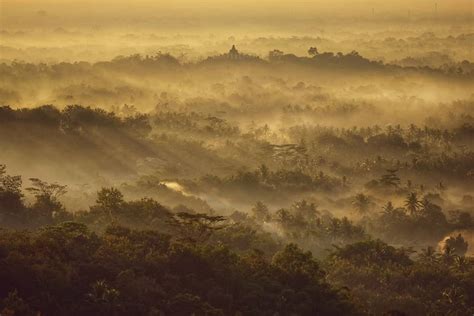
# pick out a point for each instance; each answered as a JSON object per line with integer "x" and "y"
{"x": 233, "y": 53}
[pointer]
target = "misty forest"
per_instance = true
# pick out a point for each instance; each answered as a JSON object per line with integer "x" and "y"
{"x": 236, "y": 158}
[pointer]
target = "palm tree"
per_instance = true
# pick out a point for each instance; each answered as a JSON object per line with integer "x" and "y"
{"x": 361, "y": 203}
{"x": 462, "y": 264}
{"x": 412, "y": 203}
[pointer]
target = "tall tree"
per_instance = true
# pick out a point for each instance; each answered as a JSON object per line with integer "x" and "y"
{"x": 412, "y": 203}
{"x": 390, "y": 178}
{"x": 197, "y": 228}
{"x": 361, "y": 203}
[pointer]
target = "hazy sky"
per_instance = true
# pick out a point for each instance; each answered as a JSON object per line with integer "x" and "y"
{"x": 217, "y": 15}
{"x": 127, "y": 6}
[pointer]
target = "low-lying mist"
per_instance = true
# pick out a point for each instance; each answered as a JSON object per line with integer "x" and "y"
{"x": 255, "y": 164}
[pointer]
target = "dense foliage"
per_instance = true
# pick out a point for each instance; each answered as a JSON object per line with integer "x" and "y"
{"x": 140, "y": 258}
